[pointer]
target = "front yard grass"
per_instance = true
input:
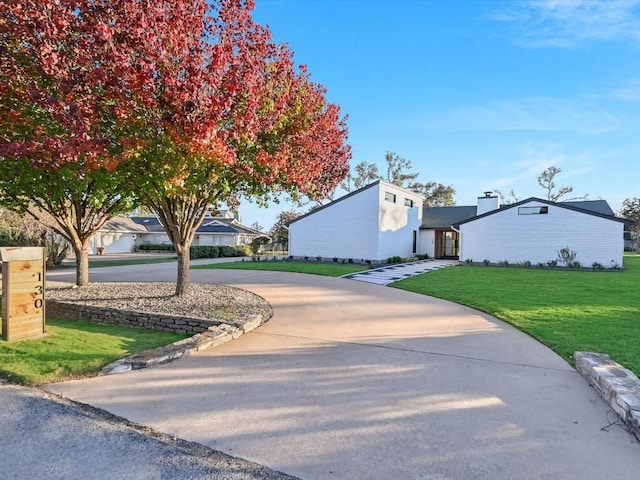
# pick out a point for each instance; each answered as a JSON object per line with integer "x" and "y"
{"x": 566, "y": 310}
{"x": 74, "y": 349}
{"x": 132, "y": 261}
{"x": 317, "y": 268}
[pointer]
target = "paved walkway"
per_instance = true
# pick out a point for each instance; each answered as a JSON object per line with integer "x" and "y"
{"x": 352, "y": 380}
{"x": 393, "y": 273}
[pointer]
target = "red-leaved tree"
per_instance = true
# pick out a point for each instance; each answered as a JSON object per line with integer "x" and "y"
{"x": 64, "y": 93}
{"x": 224, "y": 115}
{"x": 187, "y": 103}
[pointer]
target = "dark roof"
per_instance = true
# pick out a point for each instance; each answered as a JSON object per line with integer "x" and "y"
{"x": 123, "y": 224}
{"x": 444, "y": 217}
{"x": 210, "y": 225}
{"x": 598, "y": 206}
{"x": 152, "y": 224}
{"x": 583, "y": 208}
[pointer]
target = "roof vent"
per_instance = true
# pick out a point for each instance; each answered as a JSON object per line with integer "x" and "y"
{"x": 487, "y": 194}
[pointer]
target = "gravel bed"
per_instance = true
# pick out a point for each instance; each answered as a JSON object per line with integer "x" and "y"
{"x": 206, "y": 301}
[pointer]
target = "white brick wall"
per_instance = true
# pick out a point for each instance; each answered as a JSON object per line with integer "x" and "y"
{"x": 345, "y": 229}
{"x": 398, "y": 222}
{"x": 506, "y": 235}
{"x": 363, "y": 226}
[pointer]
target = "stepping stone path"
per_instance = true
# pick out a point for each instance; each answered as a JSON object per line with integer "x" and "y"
{"x": 400, "y": 271}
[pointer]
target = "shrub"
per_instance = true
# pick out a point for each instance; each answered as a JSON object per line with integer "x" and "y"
{"x": 242, "y": 251}
{"x": 335, "y": 259}
{"x": 486, "y": 262}
{"x": 204, "y": 251}
{"x": 597, "y": 266}
{"x": 552, "y": 263}
{"x": 227, "y": 251}
{"x": 469, "y": 261}
{"x": 394, "y": 259}
{"x": 541, "y": 265}
{"x": 567, "y": 256}
{"x": 525, "y": 264}
{"x": 574, "y": 265}
{"x": 503, "y": 263}
{"x": 422, "y": 256}
{"x": 162, "y": 247}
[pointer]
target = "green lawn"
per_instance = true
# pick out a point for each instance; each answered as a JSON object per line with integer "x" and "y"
{"x": 74, "y": 349}
{"x": 133, "y": 261}
{"x": 97, "y": 262}
{"x": 566, "y": 310}
{"x": 317, "y": 268}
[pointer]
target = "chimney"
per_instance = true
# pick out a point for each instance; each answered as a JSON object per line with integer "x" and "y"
{"x": 487, "y": 203}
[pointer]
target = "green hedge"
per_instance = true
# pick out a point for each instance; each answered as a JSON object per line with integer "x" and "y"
{"x": 200, "y": 251}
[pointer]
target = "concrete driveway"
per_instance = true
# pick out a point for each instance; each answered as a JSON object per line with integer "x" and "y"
{"x": 351, "y": 380}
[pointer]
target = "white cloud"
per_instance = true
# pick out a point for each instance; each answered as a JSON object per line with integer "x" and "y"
{"x": 570, "y": 23}
{"x": 626, "y": 92}
{"x": 531, "y": 114}
{"x": 531, "y": 159}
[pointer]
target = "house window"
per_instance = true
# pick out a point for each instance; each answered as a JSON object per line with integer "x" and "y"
{"x": 408, "y": 202}
{"x": 390, "y": 197}
{"x": 533, "y": 210}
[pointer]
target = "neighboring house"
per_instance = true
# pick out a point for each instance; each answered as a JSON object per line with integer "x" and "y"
{"x": 123, "y": 234}
{"x": 119, "y": 235}
{"x": 383, "y": 220}
{"x": 376, "y": 222}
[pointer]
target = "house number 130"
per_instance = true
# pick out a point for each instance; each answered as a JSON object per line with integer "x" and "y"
{"x": 39, "y": 291}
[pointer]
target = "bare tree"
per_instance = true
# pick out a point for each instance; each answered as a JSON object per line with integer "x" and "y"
{"x": 546, "y": 181}
{"x": 398, "y": 169}
{"x": 435, "y": 194}
{"x": 509, "y": 198}
{"x": 364, "y": 173}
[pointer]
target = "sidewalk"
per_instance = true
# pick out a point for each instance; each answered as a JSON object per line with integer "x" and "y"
{"x": 393, "y": 273}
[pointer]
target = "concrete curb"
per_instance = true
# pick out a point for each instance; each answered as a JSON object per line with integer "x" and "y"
{"x": 214, "y": 336}
{"x": 618, "y": 386}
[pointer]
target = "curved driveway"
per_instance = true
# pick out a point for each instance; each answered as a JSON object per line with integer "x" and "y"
{"x": 357, "y": 381}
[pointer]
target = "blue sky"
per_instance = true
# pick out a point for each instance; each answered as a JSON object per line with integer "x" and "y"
{"x": 480, "y": 95}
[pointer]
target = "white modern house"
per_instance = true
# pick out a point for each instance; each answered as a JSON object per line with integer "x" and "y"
{"x": 535, "y": 230}
{"x": 383, "y": 220}
{"x": 378, "y": 221}
{"x": 123, "y": 234}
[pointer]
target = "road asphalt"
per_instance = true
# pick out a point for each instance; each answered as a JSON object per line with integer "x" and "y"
{"x": 352, "y": 380}
{"x": 44, "y": 436}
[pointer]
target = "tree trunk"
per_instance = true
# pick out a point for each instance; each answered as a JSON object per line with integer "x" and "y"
{"x": 82, "y": 264}
{"x": 183, "y": 278}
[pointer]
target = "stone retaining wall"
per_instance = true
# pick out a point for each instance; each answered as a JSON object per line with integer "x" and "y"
{"x": 618, "y": 386}
{"x": 205, "y": 333}
{"x": 162, "y": 322}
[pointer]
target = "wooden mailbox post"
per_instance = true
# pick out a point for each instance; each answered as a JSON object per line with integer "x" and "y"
{"x": 23, "y": 304}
